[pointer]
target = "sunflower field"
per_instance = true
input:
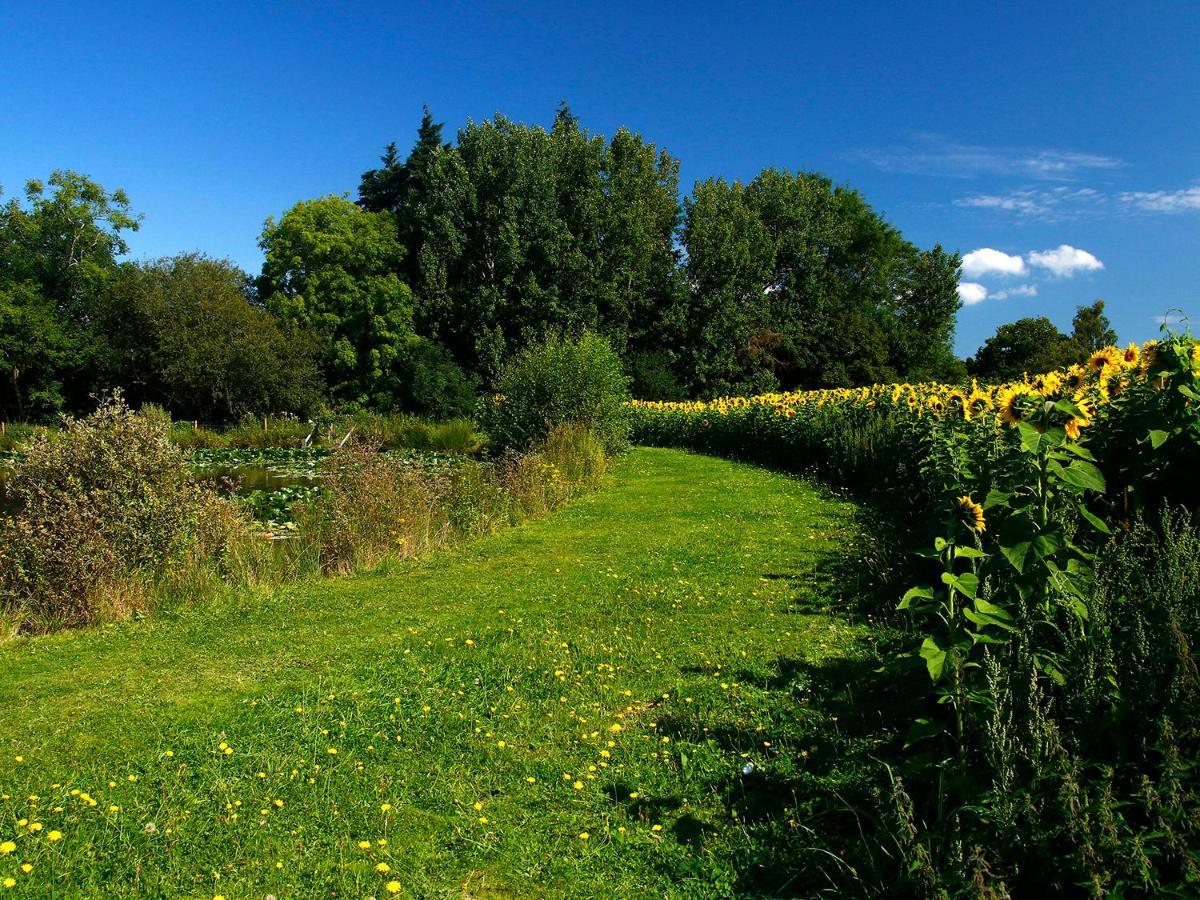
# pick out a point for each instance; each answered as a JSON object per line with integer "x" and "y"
{"x": 1050, "y": 721}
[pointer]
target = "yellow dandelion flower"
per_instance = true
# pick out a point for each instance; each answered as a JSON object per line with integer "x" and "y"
{"x": 392, "y": 887}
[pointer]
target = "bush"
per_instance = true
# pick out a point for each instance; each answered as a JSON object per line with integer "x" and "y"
{"x": 104, "y": 507}
{"x": 433, "y": 385}
{"x": 562, "y": 381}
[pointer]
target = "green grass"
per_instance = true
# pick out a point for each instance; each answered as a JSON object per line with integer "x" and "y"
{"x": 693, "y": 602}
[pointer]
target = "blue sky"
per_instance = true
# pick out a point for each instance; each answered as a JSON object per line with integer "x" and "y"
{"x": 1065, "y": 137}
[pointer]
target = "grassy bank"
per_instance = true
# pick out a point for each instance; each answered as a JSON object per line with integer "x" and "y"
{"x": 566, "y": 708}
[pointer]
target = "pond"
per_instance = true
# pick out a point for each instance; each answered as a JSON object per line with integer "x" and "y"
{"x": 267, "y": 480}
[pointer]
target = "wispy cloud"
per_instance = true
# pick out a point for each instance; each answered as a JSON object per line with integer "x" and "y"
{"x": 934, "y": 155}
{"x": 1062, "y": 203}
{"x": 972, "y": 292}
{"x": 1055, "y": 204}
{"x": 1182, "y": 200}
{"x": 1021, "y": 290}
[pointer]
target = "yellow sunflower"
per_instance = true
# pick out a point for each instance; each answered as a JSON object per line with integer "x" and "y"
{"x": 971, "y": 513}
{"x": 1009, "y": 402}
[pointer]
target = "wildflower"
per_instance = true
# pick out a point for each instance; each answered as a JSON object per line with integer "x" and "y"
{"x": 393, "y": 887}
{"x": 583, "y": 835}
{"x": 972, "y": 514}
{"x": 10, "y": 882}
{"x": 383, "y": 868}
{"x": 7, "y": 847}
{"x": 386, "y": 807}
{"x": 54, "y": 836}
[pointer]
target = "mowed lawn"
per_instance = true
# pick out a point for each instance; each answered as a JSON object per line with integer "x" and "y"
{"x": 614, "y": 701}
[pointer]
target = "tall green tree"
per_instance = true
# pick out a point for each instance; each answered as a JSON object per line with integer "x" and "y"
{"x": 58, "y": 249}
{"x": 1091, "y": 329}
{"x": 516, "y": 231}
{"x": 332, "y": 267}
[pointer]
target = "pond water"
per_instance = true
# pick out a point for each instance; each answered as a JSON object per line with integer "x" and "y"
{"x": 268, "y": 480}
{"x": 252, "y": 474}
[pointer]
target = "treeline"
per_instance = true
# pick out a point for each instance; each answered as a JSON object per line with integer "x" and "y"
{"x": 455, "y": 257}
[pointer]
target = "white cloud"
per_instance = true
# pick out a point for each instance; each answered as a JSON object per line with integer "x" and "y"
{"x": 986, "y": 261}
{"x": 1021, "y": 290}
{"x": 1169, "y": 320}
{"x": 971, "y": 292}
{"x": 1065, "y": 260}
{"x": 1184, "y": 199}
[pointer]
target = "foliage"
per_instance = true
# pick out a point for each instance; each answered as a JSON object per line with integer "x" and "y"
{"x": 561, "y": 381}
{"x": 57, "y": 251}
{"x": 183, "y": 332}
{"x": 1036, "y": 345}
{"x": 331, "y": 267}
{"x": 516, "y": 231}
{"x": 794, "y": 277}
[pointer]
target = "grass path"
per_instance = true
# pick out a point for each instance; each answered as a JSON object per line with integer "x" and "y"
{"x": 562, "y": 709}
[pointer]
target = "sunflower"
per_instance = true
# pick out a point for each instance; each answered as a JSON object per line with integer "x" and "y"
{"x": 971, "y": 513}
{"x": 1102, "y": 359}
{"x": 1130, "y": 355}
{"x": 1009, "y": 400}
{"x": 979, "y": 403}
{"x": 1075, "y": 377}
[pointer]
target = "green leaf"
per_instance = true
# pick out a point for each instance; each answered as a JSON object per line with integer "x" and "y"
{"x": 966, "y": 584}
{"x": 935, "y": 658}
{"x": 1083, "y": 474}
{"x": 1157, "y": 438}
{"x": 997, "y": 497}
{"x": 917, "y": 593}
{"x": 1031, "y": 438}
{"x": 1017, "y": 553}
{"x": 1094, "y": 520}
{"x": 969, "y": 553}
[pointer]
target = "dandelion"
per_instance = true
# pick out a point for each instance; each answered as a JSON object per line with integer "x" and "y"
{"x": 392, "y": 887}
{"x": 383, "y": 868}
{"x": 7, "y": 847}
{"x": 54, "y": 836}
{"x": 583, "y": 835}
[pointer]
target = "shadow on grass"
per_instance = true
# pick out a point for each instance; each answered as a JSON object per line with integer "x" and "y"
{"x": 815, "y": 811}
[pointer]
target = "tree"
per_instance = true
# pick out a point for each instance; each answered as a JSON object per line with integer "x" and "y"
{"x": 184, "y": 333}
{"x": 331, "y": 267}
{"x": 796, "y": 282}
{"x": 57, "y": 251}
{"x": 516, "y": 231}
{"x": 1029, "y": 345}
{"x": 1091, "y": 329}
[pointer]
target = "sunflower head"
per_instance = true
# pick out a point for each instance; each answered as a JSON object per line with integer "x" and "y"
{"x": 971, "y": 514}
{"x": 1103, "y": 359}
{"x": 1010, "y": 403}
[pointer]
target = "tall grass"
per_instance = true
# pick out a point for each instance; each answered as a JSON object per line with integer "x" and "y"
{"x": 111, "y": 519}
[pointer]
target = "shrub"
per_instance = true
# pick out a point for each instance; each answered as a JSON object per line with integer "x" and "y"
{"x": 433, "y": 385}
{"x": 561, "y": 381}
{"x": 104, "y": 507}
